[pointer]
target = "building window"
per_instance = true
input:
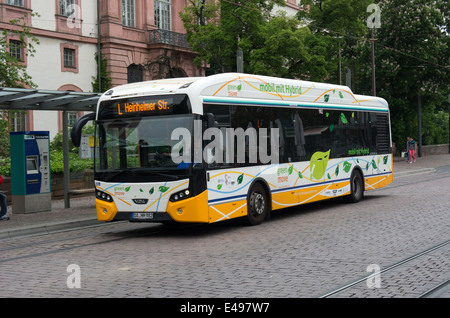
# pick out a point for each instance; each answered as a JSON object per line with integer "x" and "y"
{"x": 163, "y": 13}
{"x": 71, "y": 118}
{"x": 135, "y": 73}
{"x": 16, "y": 50}
{"x": 17, "y": 3}
{"x": 19, "y": 120}
{"x": 66, "y": 7}
{"x": 69, "y": 58}
{"x": 129, "y": 13}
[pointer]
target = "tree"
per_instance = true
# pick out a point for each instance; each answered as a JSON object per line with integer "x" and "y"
{"x": 289, "y": 51}
{"x": 13, "y": 72}
{"x": 274, "y": 45}
{"x": 106, "y": 81}
{"x": 412, "y": 56}
{"x": 340, "y": 24}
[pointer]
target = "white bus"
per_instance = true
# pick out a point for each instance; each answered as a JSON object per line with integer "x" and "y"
{"x": 329, "y": 143}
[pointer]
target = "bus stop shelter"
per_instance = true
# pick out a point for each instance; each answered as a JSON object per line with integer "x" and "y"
{"x": 65, "y": 101}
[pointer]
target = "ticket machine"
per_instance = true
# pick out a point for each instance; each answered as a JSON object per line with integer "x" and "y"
{"x": 30, "y": 171}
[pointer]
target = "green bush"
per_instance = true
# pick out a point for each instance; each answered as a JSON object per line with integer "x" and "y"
{"x": 75, "y": 163}
{"x": 5, "y": 166}
{"x": 56, "y": 163}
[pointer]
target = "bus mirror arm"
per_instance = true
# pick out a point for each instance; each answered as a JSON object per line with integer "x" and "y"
{"x": 75, "y": 134}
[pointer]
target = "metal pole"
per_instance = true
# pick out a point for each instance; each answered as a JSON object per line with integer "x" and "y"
{"x": 374, "y": 89}
{"x": 419, "y": 122}
{"x": 448, "y": 123}
{"x": 240, "y": 61}
{"x": 339, "y": 65}
{"x": 66, "y": 159}
{"x": 99, "y": 50}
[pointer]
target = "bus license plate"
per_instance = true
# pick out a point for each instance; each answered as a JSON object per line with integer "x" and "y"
{"x": 142, "y": 216}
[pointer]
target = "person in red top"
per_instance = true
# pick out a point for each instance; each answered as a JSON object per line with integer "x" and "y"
{"x": 4, "y": 206}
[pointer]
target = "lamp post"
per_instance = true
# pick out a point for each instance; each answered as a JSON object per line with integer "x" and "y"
{"x": 419, "y": 118}
{"x": 240, "y": 61}
{"x": 374, "y": 89}
{"x": 373, "y": 21}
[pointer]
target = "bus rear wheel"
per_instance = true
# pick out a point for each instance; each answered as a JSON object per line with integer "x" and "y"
{"x": 356, "y": 188}
{"x": 257, "y": 205}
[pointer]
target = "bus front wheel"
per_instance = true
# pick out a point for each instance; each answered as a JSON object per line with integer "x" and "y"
{"x": 257, "y": 205}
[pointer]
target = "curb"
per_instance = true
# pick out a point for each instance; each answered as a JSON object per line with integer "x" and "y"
{"x": 406, "y": 173}
{"x": 48, "y": 228}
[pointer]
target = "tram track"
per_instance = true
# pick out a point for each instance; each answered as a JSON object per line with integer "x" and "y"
{"x": 433, "y": 291}
{"x": 55, "y": 245}
{"x": 364, "y": 279}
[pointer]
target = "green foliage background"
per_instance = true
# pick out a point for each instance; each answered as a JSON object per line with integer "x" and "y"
{"x": 412, "y": 50}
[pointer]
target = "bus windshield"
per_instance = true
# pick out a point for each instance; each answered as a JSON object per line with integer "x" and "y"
{"x": 139, "y": 149}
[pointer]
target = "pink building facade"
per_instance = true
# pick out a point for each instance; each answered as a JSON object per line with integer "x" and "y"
{"x": 145, "y": 39}
{"x": 141, "y": 40}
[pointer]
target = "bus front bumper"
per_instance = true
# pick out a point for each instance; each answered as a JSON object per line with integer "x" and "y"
{"x": 191, "y": 210}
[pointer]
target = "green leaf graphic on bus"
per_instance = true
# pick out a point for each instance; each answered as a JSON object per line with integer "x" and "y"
{"x": 127, "y": 189}
{"x": 152, "y": 190}
{"x": 326, "y": 97}
{"x": 219, "y": 186}
{"x": 347, "y": 166}
{"x": 291, "y": 169}
{"x": 340, "y": 95}
{"x": 300, "y": 175}
{"x": 163, "y": 189}
{"x": 337, "y": 171}
{"x": 374, "y": 165}
{"x": 240, "y": 179}
{"x": 385, "y": 159}
{"x": 239, "y": 87}
{"x": 318, "y": 164}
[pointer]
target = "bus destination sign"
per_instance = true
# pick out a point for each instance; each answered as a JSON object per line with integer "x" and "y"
{"x": 159, "y": 107}
{"x": 162, "y": 105}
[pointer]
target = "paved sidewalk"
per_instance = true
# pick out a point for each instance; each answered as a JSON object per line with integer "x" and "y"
{"x": 82, "y": 211}
{"x": 422, "y": 165}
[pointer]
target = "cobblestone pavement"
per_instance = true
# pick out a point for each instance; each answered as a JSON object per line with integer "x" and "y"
{"x": 301, "y": 252}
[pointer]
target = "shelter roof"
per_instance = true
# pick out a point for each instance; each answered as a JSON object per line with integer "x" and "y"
{"x": 39, "y": 99}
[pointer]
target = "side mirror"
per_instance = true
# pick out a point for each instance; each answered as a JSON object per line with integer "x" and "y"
{"x": 210, "y": 121}
{"x": 75, "y": 134}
